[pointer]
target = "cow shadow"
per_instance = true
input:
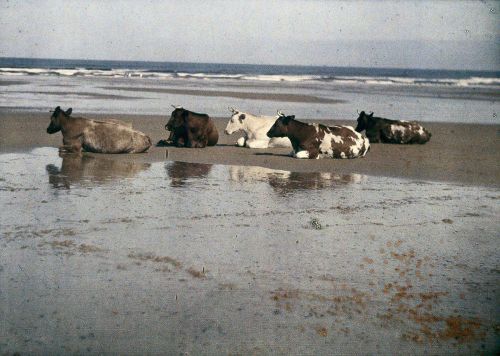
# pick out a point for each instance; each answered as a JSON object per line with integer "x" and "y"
{"x": 182, "y": 173}
{"x": 90, "y": 170}
{"x": 272, "y": 154}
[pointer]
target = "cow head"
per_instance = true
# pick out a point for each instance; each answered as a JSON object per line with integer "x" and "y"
{"x": 280, "y": 127}
{"x": 55, "y": 119}
{"x": 236, "y": 122}
{"x": 176, "y": 118}
{"x": 363, "y": 121}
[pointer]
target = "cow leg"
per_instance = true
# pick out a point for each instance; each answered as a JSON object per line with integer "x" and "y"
{"x": 192, "y": 138}
{"x": 302, "y": 154}
{"x": 180, "y": 142}
{"x": 172, "y": 138}
{"x": 241, "y": 142}
{"x": 71, "y": 146}
{"x": 388, "y": 136}
{"x": 196, "y": 143}
{"x": 313, "y": 154}
{"x": 257, "y": 144}
{"x": 375, "y": 138}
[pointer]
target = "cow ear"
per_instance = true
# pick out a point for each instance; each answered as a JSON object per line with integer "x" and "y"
{"x": 69, "y": 111}
{"x": 287, "y": 119}
{"x": 241, "y": 118}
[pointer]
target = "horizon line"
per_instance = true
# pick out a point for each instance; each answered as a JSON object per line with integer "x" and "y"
{"x": 255, "y": 64}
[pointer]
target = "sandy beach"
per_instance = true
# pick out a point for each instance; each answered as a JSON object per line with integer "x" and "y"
{"x": 229, "y": 250}
{"x": 461, "y": 153}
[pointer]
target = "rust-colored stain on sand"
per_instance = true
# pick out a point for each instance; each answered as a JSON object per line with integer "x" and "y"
{"x": 322, "y": 331}
{"x": 153, "y": 258}
{"x": 196, "y": 274}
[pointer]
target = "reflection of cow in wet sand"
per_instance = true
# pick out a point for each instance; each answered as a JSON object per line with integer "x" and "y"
{"x": 180, "y": 172}
{"x": 312, "y": 181}
{"x": 107, "y": 136}
{"x": 250, "y": 174}
{"x": 286, "y": 181}
{"x": 91, "y": 170}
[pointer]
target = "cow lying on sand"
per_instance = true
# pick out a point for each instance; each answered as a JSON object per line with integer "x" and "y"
{"x": 391, "y": 131}
{"x": 111, "y": 136}
{"x": 318, "y": 141}
{"x": 190, "y": 129}
{"x": 255, "y": 129}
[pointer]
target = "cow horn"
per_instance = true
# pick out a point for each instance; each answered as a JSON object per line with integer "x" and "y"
{"x": 358, "y": 111}
{"x": 176, "y": 106}
{"x": 232, "y": 110}
{"x": 280, "y": 113}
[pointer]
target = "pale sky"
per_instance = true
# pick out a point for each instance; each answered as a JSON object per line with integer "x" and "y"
{"x": 411, "y": 34}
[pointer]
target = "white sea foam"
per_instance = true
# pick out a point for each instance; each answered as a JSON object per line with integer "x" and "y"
{"x": 347, "y": 80}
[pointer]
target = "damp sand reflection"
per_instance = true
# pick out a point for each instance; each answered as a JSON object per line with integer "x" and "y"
{"x": 181, "y": 173}
{"x": 285, "y": 182}
{"x": 89, "y": 170}
{"x": 211, "y": 259}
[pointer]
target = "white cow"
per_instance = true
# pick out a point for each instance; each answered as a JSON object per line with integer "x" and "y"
{"x": 255, "y": 130}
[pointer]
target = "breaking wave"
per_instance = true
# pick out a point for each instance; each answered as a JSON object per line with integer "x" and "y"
{"x": 472, "y": 81}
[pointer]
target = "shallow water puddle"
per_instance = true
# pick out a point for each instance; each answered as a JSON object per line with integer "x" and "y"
{"x": 197, "y": 257}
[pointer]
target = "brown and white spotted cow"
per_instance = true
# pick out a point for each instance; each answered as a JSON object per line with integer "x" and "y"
{"x": 319, "y": 141}
{"x": 383, "y": 130}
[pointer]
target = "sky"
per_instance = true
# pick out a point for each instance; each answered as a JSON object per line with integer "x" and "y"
{"x": 401, "y": 34}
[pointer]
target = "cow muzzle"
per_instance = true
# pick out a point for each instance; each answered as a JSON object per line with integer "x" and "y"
{"x": 52, "y": 129}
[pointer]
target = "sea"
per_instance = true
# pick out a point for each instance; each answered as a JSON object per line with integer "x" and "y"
{"x": 309, "y": 92}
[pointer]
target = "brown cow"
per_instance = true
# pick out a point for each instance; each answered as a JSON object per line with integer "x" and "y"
{"x": 96, "y": 136}
{"x": 190, "y": 129}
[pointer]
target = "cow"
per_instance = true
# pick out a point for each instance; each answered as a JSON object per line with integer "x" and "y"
{"x": 391, "y": 131}
{"x": 190, "y": 129}
{"x": 255, "y": 129}
{"x": 99, "y": 136}
{"x": 319, "y": 141}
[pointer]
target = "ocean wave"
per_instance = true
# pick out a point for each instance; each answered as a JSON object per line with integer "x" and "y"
{"x": 149, "y": 74}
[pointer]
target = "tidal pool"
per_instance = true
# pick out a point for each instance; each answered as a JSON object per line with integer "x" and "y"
{"x": 103, "y": 255}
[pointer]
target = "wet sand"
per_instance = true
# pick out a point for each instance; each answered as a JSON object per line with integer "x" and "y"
{"x": 102, "y": 255}
{"x": 462, "y": 153}
{"x": 290, "y": 98}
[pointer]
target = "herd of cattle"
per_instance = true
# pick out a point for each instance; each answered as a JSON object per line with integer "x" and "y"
{"x": 194, "y": 130}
